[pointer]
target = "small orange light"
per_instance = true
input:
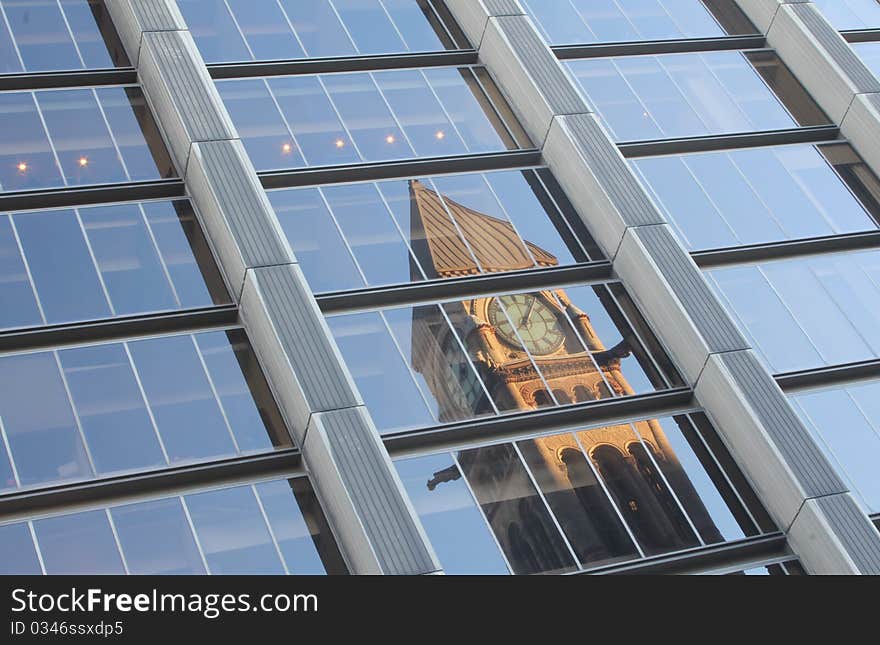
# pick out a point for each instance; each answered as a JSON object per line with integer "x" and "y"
{"x": 22, "y": 166}
{"x": 440, "y": 135}
{"x": 286, "y": 148}
{"x": 340, "y": 143}
{"x": 83, "y": 162}
{"x": 390, "y": 139}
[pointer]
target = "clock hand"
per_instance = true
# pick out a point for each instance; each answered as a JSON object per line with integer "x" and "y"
{"x": 527, "y": 316}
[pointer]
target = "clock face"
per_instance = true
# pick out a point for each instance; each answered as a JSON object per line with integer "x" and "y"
{"x": 533, "y": 319}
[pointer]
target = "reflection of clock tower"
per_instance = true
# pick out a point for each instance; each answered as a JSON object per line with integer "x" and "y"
{"x": 507, "y": 336}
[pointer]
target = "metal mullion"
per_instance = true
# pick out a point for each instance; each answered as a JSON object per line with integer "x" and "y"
{"x": 284, "y": 120}
{"x": 770, "y": 88}
{"x": 49, "y": 138}
{"x": 12, "y": 38}
{"x": 843, "y": 182}
{"x": 110, "y": 134}
{"x": 27, "y": 269}
{"x": 407, "y": 364}
{"x": 342, "y": 235}
{"x": 571, "y": 551}
{"x": 481, "y": 512}
{"x": 37, "y": 548}
{"x": 443, "y": 108}
{"x": 583, "y": 345}
{"x": 73, "y": 409}
{"x": 467, "y": 356}
{"x": 391, "y": 112}
{"x": 271, "y": 531}
{"x": 94, "y": 259}
{"x": 848, "y": 373}
{"x": 442, "y": 23}
{"x": 669, "y": 487}
{"x": 634, "y": 331}
{"x": 457, "y": 228}
{"x": 540, "y": 374}
{"x": 240, "y": 32}
{"x": 608, "y": 496}
{"x": 407, "y": 242}
{"x": 5, "y": 437}
{"x": 117, "y": 540}
{"x": 338, "y": 114}
{"x": 195, "y": 533}
{"x": 70, "y": 31}
{"x": 145, "y": 399}
{"x": 727, "y": 42}
{"x": 159, "y": 255}
{"x": 215, "y": 393}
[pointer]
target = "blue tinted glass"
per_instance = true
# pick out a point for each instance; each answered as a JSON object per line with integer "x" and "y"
{"x": 111, "y": 409}
{"x": 319, "y": 28}
{"x": 369, "y": 26}
{"x": 10, "y": 62}
{"x": 234, "y": 537}
{"x": 38, "y": 420}
{"x": 19, "y": 303}
{"x": 412, "y": 21}
{"x": 156, "y": 538}
{"x": 870, "y": 55}
{"x": 26, "y": 159}
{"x": 82, "y": 18}
{"x": 81, "y": 543}
{"x": 42, "y": 36}
{"x": 214, "y": 31}
{"x": 265, "y": 29}
{"x": 180, "y": 395}
{"x": 851, "y": 14}
{"x": 128, "y": 116}
{"x": 19, "y": 555}
{"x": 289, "y": 527}
{"x": 455, "y": 525}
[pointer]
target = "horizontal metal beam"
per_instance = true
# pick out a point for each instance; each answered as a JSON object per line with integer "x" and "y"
{"x": 507, "y": 426}
{"x": 820, "y": 377}
{"x": 342, "y": 64}
{"x": 84, "y": 195}
{"x": 695, "y": 560}
{"x": 812, "y": 134}
{"x": 117, "y": 328}
{"x": 861, "y": 35}
{"x": 77, "y": 78}
{"x": 399, "y": 169}
{"x": 787, "y": 249}
{"x": 109, "y": 490}
{"x": 601, "y": 50}
{"x": 463, "y": 288}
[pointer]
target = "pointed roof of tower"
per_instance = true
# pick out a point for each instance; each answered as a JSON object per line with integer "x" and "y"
{"x": 493, "y": 241}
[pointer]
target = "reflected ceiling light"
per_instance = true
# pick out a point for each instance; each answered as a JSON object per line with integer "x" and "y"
{"x": 22, "y": 166}
{"x": 390, "y": 139}
{"x": 83, "y": 162}
{"x": 340, "y": 143}
{"x": 440, "y": 135}
{"x": 286, "y": 148}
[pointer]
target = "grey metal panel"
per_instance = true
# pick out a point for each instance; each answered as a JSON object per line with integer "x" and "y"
{"x": 834, "y": 536}
{"x": 235, "y": 211}
{"x": 472, "y": 15}
{"x": 598, "y": 180}
{"x": 348, "y": 439}
{"x": 133, "y": 17}
{"x": 762, "y": 12}
{"x": 292, "y": 340}
{"x": 503, "y": 7}
{"x": 181, "y": 92}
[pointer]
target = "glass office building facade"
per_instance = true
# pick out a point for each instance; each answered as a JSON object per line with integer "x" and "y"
{"x": 420, "y": 286}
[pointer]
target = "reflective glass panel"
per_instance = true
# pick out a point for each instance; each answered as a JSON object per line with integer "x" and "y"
{"x": 93, "y": 262}
{"x": 846, "y": 422}
{"x": 870, "y": 54}
{"x": 756, "y": 195}
{"x": 330, "y": 119}
{"x": 53, "y": 35}
{"x": 605, "y": 495}
{"x": 269, "y": 527}
{"x": 851, "y": 14}
{"x": 807, "y": 312}
{"x": 74, "y": 137}
{"x": 571, "y": 22}
{"x": 236, "y": 30}
{"x": 94, "y": 410}
{"x": 355, "y": 235}
{"x": 679, "y": 95}
{"x": 459, "y": 360}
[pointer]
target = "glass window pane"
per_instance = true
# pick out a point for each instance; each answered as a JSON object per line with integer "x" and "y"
{"x": 296, "y": 539}
{"x": 870, "y": 55}
{"x": 851, "y": 14}
{"x": 42, "y": 36}
{"x": 411, "y": 18}
{"x": 111, "y": 409}
{"x": 265, "y": 29}
{"x": 134, "y": 133}
{"x": 26, "y": 158}
{"x": 20, "y": 304}
{"x": 232, "y": 532}
{"x": 38, "y": 420}
{"x": 517, "y": 515}
{"x": 214, "y": 30}
{"x": 81, "y": 543}
{"x": 10, "y": 62}
{"x": 156, "y": 538}
{"x": 93, "y": 32}
{"x": 17, "y": 547}
{"x": 319, "y": 28}
{"x": 452, "y": 520}
{"x": 369, "y": 26}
